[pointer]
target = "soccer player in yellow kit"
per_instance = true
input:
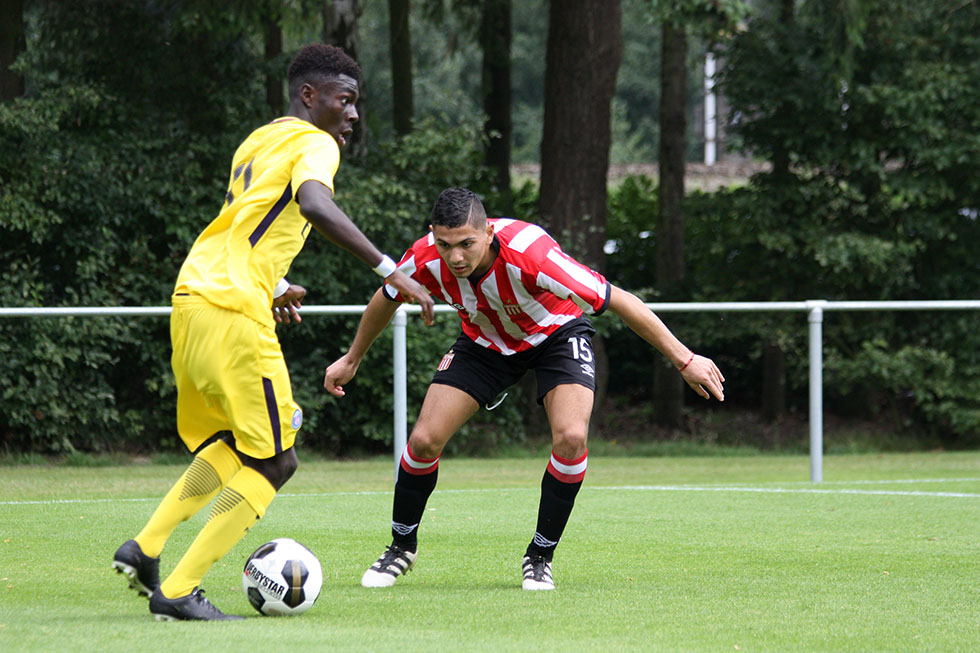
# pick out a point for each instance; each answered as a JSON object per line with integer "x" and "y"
{"x": 229, "y": 368}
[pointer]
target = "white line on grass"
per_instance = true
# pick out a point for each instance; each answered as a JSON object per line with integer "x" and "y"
{"x": 626, "y": 488}
{"x": 876, "y": 482}
{"x": 780, "y": 490}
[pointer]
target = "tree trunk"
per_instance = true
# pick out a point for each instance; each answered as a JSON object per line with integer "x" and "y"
{"x": 273, "y": 80}
{"x": 495, "y": 37}
{"x": 668, "y": 386}
{"x": 582, "y": 59}
{"x": 773, "y": 383}
{"x": 12, "y": 43}
{"x": 340, "y": 25}
{"x": 773, "y": 357}
{"x": 340, "y": 28}
{"x": 780, "y": 154}
{"x": 403, "y": 108}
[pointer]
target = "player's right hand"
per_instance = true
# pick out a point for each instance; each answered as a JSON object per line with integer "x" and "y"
{"x": 413, "y": 292}
{"x": 338, "y": 373}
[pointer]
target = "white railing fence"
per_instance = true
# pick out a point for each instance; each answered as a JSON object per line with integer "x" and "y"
{"x": 814, "y": 309}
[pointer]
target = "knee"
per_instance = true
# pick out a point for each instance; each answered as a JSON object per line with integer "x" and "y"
{"x": 278, "y": 469}
{"x": 424, "y": 445}
{"x": 569, "y": 443}
{"x": 285, "y": 466}
{"x": 289, "y": 464}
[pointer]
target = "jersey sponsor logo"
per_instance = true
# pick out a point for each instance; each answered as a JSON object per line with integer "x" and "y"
{"x": 587, "y": 370}
{"x": 297, "y": 419}
{"x": 446, "y": 361}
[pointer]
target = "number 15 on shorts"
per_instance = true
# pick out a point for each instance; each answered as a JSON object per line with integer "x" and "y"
{"x": 582, "y": 352}
{"x": 581, "y": 349}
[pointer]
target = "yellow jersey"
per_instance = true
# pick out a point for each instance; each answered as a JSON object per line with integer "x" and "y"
{"x": 242, "y": 254}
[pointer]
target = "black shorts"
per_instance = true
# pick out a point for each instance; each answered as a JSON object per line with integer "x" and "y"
{"x": 565, "y": 357}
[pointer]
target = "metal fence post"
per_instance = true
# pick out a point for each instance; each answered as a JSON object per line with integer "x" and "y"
{"x": 400, "y": 411}
{"x": 814, "y": 312}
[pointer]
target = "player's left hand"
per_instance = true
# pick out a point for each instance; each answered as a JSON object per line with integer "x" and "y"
{"x": 704, "y": 376}
{"x": 285, "y": 307}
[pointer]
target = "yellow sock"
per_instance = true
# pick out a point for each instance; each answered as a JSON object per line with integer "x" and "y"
{"x": 210, "y": 470}
{"x": 237, "y": 508}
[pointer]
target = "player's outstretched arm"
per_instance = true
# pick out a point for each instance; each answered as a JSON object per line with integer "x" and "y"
{"x": 699, "y": 372}
{"x": 316, "y": 205}
{"x": 413, "y": 292}
{"x": 376, "y": 317}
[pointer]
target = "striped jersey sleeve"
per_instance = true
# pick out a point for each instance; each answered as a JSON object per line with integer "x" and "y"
{"x": 556, "y": 271}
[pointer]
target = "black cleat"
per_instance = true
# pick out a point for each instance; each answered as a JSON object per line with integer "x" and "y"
{"x": 142, "y": 570}
{"x": 193, "y": 607}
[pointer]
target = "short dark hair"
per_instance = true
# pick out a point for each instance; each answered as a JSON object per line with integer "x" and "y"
{"x": 317, "y": 63}
{"x": 456, "y": 207}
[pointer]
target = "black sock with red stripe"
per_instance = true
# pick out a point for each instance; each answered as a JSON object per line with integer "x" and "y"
{"x": 559, "y": 486}
{"x": 416, "y": 480}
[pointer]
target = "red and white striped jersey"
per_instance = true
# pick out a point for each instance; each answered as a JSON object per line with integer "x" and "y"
{"x": 532, "y": 289}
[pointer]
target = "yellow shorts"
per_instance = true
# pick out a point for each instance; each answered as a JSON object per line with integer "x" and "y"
{"x": 231, "y": 375}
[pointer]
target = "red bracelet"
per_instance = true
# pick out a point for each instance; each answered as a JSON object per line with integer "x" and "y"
{"x": 684, "y": 366}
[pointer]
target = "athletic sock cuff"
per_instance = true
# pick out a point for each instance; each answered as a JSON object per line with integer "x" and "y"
{"x": 254, "y": 488}
{"x": 418, "y": 466}
{"x": 568, "y": 470}
{"x": 223, "y": 459}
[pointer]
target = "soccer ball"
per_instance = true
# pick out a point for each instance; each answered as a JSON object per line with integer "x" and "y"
{"x": 282, "y": 577}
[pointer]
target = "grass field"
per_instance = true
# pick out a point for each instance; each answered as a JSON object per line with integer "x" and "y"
{"x": 672, "y": 554}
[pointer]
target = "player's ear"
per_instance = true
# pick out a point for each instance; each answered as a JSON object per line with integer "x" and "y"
{"x": 306, "y": 93}
{"x": 430, "y": 228}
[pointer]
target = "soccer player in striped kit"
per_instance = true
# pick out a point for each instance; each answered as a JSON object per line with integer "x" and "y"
{"x": 522, "y": 303}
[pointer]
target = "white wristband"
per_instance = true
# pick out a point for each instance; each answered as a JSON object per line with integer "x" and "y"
{"x": 385, "y": 267}
{"x": 281, "y": 288}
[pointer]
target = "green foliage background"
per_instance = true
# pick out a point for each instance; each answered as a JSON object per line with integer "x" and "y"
{"x": 881, "y": 199}
{"x": 118, "y": 157}
{"x": 112, "y": 166}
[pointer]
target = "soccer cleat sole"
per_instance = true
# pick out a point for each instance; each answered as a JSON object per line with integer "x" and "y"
{"x": 372, "y": 579}
{"x": 537, "y": 574}
{"x": 132, "y": 574}
{"x": 376, "y": 577}
{"x": 193, "y": 607}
